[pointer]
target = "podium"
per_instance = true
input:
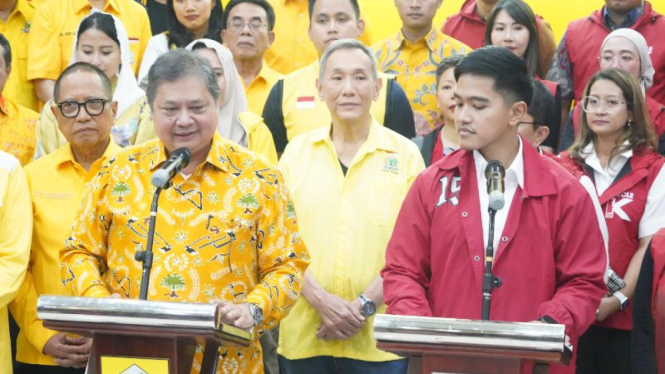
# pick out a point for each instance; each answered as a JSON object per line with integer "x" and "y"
{"x": 138, "y": 336}
{"x": 479, "y": 347}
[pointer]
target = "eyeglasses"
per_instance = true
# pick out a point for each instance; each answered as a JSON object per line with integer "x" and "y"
{"x": 592, "y": 104}
{"x": 93, "y": 107}
{"x": 254, "y": 25}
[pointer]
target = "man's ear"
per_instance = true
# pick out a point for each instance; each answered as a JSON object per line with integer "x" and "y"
{"x": 114, "y": 108}
{"x": 377, "y": 87}
{"x": 540, "y": 135}
{"x": 271, "y": 38}
{"x": 319, "y": 89}
{"x": 361, "y": 27}
{"x": 517, "y": 112}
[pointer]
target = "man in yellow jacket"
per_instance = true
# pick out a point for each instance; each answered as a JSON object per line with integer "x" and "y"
{"x": 15, "y": 232}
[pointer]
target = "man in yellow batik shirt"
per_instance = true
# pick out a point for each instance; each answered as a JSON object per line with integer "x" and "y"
{"x": 226, "y": 230}
{"x": 413, "y": 55}
{"x": 291, "y": 49}
{"x": 57, "y": 183}
{"x": 17, "y": 124}
{"x": 348, "y": 180}
{"x": 53, "y": 32}
{"x": 16, "y": 28}
{"x": 15, "y": 233}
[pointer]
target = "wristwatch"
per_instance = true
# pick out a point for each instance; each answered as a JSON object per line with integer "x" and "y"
{"x": 623, "y": 300}
{"x": 367, "y": 306}
{"x": 256, "y": 313}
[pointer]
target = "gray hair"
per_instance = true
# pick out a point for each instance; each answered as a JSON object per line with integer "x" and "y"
{"x": 177, "y": 64}
{"x": 83, "y": 67}
{"x": 347, "y": 44}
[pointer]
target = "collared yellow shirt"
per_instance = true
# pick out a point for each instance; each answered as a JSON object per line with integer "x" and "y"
{"x": 414, "y": 66}
{"x": 15, "y": 234}
{"x": 259, "y": 138}
{"x": 17, "y": 130}
{"x": 54, "y": 28}
{"x": 226, "y": 232}
{"x": 259, "y": 88}
{"x": 57, "y": 184}
{"x": 134, "y": 126}
{"x": 346, "y": 222}
{"x": 292, "y": 48}
{"x": 17, "y": 28}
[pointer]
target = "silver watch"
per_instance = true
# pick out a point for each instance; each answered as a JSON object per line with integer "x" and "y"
{"x": 367, "y": 306}
{"x": 256, "y": 312}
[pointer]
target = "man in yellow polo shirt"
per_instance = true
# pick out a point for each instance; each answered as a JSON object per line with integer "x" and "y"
{"x": 247, "y": 30}
{"x": 291, "y": 51}
{"x": 348, "y": 180}
{"x": 294, "y": 106}
{"x": 15, "y": 233}
{"x": 15, "y": 21}
{"x": 53, "y": 31}
{"x": 57, "y": 183}
{"x": 413, "y": 55}
{"x": 17, "y": 124}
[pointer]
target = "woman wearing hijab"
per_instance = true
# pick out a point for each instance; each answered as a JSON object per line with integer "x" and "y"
{"x": 626, "y": 49}
{"x": 236, "y": 123}
{"x": 101, "y": 40}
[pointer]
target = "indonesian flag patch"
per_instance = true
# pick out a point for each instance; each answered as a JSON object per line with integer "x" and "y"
{"x": 305, "y": 102}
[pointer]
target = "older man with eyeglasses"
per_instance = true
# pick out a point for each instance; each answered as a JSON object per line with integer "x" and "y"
{"x": 85, "y": 113}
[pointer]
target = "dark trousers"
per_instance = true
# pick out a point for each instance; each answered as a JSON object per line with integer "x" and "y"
{"x": 603, "y": 350}
{"x": 22, "y": 368}
{"x": 336, "y": 365}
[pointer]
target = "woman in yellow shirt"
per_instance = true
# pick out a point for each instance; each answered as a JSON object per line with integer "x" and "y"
{"x": 236, "y": 123}
{"x": 102, "y": 41}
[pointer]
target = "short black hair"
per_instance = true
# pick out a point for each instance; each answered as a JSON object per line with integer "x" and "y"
{"x": 447, "y": 63}
{"x": 6, "y": 51}
{"x": 542, "y": 107}
{"x": 179, "y": 36}
{"x": 85, "y": 67}
{"x": 99, "y": 21}
{"x": 354, "y": 4}
{"x": 270, "y": 12}
{"x": 509, "y": 72}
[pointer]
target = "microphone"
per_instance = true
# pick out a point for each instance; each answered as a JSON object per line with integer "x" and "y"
{"x": 179, "y": 159}
{"x": 494, "y": 172}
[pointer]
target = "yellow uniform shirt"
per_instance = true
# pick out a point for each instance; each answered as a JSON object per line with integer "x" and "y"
{"x": 57, "y": 184}
{"x": 227, "y": 232}
{"x": 134, "y": 126}
{"x": 54, "y": 28}
{"x": 414, "y": 66}
{"x": 17, "y": 28}
{"x": 15, "y": 234}
{"x": 259, "y": 138}
{"x": 17, "y": 130}
{"x": 258, "y": 90}
{"x": 346, "y": 222}
{"x": 292, "y": 48}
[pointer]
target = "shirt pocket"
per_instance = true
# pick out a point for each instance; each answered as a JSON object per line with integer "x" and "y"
{"x": 384, "y": 201}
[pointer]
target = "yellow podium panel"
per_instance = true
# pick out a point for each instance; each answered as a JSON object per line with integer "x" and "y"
{"x": 133, "y": 365}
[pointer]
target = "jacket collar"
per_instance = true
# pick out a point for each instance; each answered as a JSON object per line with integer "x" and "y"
{"x": 64, "y": 154}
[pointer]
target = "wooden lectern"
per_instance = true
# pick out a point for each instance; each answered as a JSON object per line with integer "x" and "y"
{"x": 479, "y": 347}
{"x": 138, "y": 336}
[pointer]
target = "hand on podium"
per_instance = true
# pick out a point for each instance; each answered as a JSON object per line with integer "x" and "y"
{"x": 237, "y": 315}
{"x": 68, "y": 351}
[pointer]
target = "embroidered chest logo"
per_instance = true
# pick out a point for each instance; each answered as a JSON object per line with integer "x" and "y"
{"x": 617, "y": 204}
{"x": 26, "y": 27}
{"x": 449, "y": 191}
{"x": 391, "y": 165}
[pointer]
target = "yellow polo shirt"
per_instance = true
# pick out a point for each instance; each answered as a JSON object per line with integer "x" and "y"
{"x": 54, "y": 28}
{"x": 259, "y": 138}
{"x": 414, "y": 66}
{"x": 15, "y": 234}
{"x": 57, "y": 184}
{"x": 292, "y": 48}
{"x": 346, "y": 222}
{"x": 17, "y": 130}
{"x": 225, "y": 232}
{"x": 17, "y": 28}
{"x": 258, "y": 90}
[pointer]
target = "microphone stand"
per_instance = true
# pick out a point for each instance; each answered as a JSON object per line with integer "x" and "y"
{"x": 146, "y": 256}
{"x": 490, "y": 281}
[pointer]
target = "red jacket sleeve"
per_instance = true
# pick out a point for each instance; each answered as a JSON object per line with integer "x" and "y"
{"x": 407, "y": 273}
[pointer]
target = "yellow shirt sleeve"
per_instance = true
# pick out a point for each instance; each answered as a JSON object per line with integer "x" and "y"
{"x": 49, "y": 137}
{"x": 43, "y": 46}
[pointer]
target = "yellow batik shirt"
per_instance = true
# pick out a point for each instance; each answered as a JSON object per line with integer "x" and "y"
{"x": 17, "y": 130}
{"x": 57, "y": 185}
{"x": 134, "y": 126}
{"x": 258, "y": 90}
{"x": 346, "y": 222}
{"x": 414, "y": 66}
{"x": 228, "y": 231}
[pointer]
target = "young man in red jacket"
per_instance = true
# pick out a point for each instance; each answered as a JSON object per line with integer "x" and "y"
{"x": 549, "y": 249}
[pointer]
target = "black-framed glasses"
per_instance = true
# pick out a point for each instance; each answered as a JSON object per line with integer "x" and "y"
{"x": 71, "y": 109}
{"x": 256, "y": 24}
